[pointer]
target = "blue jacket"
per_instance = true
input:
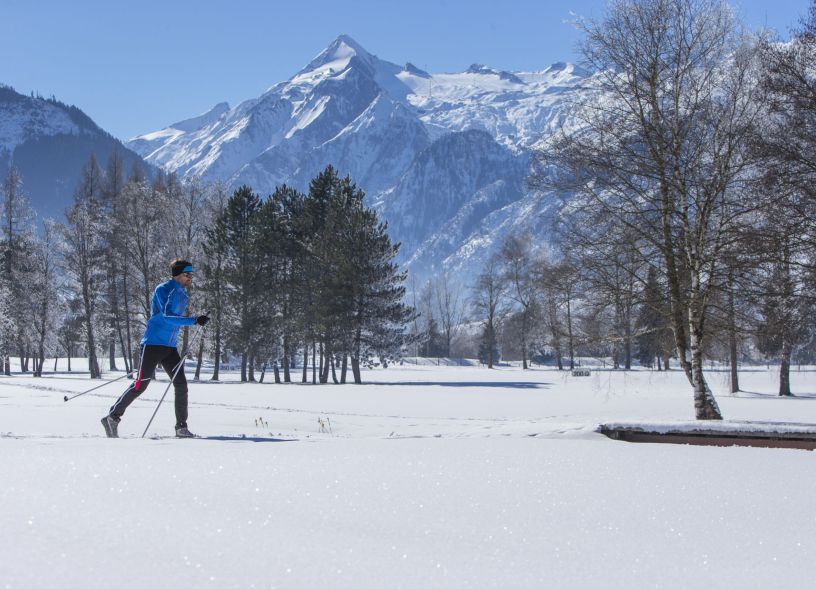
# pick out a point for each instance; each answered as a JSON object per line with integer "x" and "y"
{"x": 167, "y": 315}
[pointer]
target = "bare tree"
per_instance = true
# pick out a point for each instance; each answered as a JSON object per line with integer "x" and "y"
{"x": 84, "y": 251}
{"x": 451, "y": 307}
{"x": 214, "y": 286}
{"x": 142, "y": 240}
{"x": 117, "y": 295}
{"x": 784, "y": 144}
{"x": 562, "y": 281}
{"x": 661, "y": 147}
{"x": 518, "y": 271}
{"x": 44, "y": 302}
{"x": 17, "y": 246}
{"x": 489, "y": 294}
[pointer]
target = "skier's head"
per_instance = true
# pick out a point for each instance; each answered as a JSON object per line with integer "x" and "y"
{"x": 182, "y": 271}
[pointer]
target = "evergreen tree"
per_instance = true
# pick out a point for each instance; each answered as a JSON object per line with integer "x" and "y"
{"x": 377, "y": 314}
{"x": 238, "y": 232}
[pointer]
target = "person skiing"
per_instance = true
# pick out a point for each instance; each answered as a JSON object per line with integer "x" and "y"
{"x": 159, "y": 347}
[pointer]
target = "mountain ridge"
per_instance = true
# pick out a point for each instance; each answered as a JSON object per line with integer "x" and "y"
{"x": 49, "y": 142}
{"x": 378, "y": 122}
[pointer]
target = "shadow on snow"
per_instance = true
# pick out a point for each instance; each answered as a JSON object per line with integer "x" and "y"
{"x": 464, "y": 384}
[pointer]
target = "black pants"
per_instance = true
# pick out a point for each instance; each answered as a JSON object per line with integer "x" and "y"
{"x": 152, "y": 356}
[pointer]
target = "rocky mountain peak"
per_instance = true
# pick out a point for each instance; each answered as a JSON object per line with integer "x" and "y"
{"x": 338, "y": 55}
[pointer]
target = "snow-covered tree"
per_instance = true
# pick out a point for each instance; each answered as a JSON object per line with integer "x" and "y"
{"x": 84, "y": 254}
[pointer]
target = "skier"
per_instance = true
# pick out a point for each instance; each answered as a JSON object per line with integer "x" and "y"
{"x": 159, "y": 347}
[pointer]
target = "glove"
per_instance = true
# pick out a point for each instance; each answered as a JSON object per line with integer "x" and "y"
{"x": 202, "y": 320}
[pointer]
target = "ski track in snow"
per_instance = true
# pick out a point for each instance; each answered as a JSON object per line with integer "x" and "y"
{"x": 430, "y": 477}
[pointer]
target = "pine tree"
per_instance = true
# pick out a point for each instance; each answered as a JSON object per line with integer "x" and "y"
{"x": 377, "y": 314}
{"x": 238, "y": 232}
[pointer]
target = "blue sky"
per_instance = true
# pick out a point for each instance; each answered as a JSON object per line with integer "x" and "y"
{"x": 136, "y": 67}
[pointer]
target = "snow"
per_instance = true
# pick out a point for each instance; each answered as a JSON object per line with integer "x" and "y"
{"x": 26, "y": 119}
{"x": 308, "y": 115}
{"x": 430, "y": 477}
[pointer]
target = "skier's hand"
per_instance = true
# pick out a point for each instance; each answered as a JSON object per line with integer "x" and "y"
{"x": 202, "y": 320}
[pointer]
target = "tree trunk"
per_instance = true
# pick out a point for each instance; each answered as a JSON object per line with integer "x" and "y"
{"x": 185, "y": 337}
{"x": 40, "y": 360}
{"x": 200, "y": 359}
{"x": 322, "y": 360}
{"x": 570, "y": 342}
{"x": 334, "y": 374}
{"x": 355, "y": 356}
{"x": 263, "y": 372}
{"x": 130, "y": 351}
{"x": 627, "y": 341}
{"x": 491, "y": 338}
{"x": 112, "y": 353}
{"x": 784, "y": 368}
{"x": 305, "y": 362}
{"x": 343, "y": 369}
{"x": 93, "y": 366}
{"x": 277, "y": 372}
{"x": 217, "y": 359}
{"x": 325, "y": 361}
{"x": 286, "y": 375}
{"x": 243, "y": 366}
{"x": 124, "y": 348}
{"x": 355, "y": 370}
{"x": 117, "y": 330}
{"x": 732, "y": 335}
{"x": 705, "y": 406}
{"x": 314, "y": 362}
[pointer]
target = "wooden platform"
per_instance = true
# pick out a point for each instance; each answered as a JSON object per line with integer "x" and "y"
{"x": 804, "y": 439}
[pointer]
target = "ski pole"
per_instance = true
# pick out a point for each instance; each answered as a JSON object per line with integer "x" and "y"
{"x": 67, "y": 398}
{"x": 173, "y": 378}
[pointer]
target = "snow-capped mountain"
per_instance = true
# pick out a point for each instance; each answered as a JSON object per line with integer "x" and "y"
{"x": 439, "y": 155}
{"x": 49, "y": 142}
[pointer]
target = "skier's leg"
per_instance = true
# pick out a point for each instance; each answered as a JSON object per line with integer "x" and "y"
{"x": 170, "y": 363}
{"x": 151, "y": 355}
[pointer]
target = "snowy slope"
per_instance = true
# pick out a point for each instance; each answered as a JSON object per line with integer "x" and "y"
{"x": 23, "y": 118}
{"x": 429, "y": 477}
{"x": 49, "y": 142}
{"x": 409, "y": 138}
{"x": 515, "y": 108}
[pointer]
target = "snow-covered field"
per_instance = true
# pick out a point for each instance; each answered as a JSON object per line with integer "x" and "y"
{"x": 425, "y": 477}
